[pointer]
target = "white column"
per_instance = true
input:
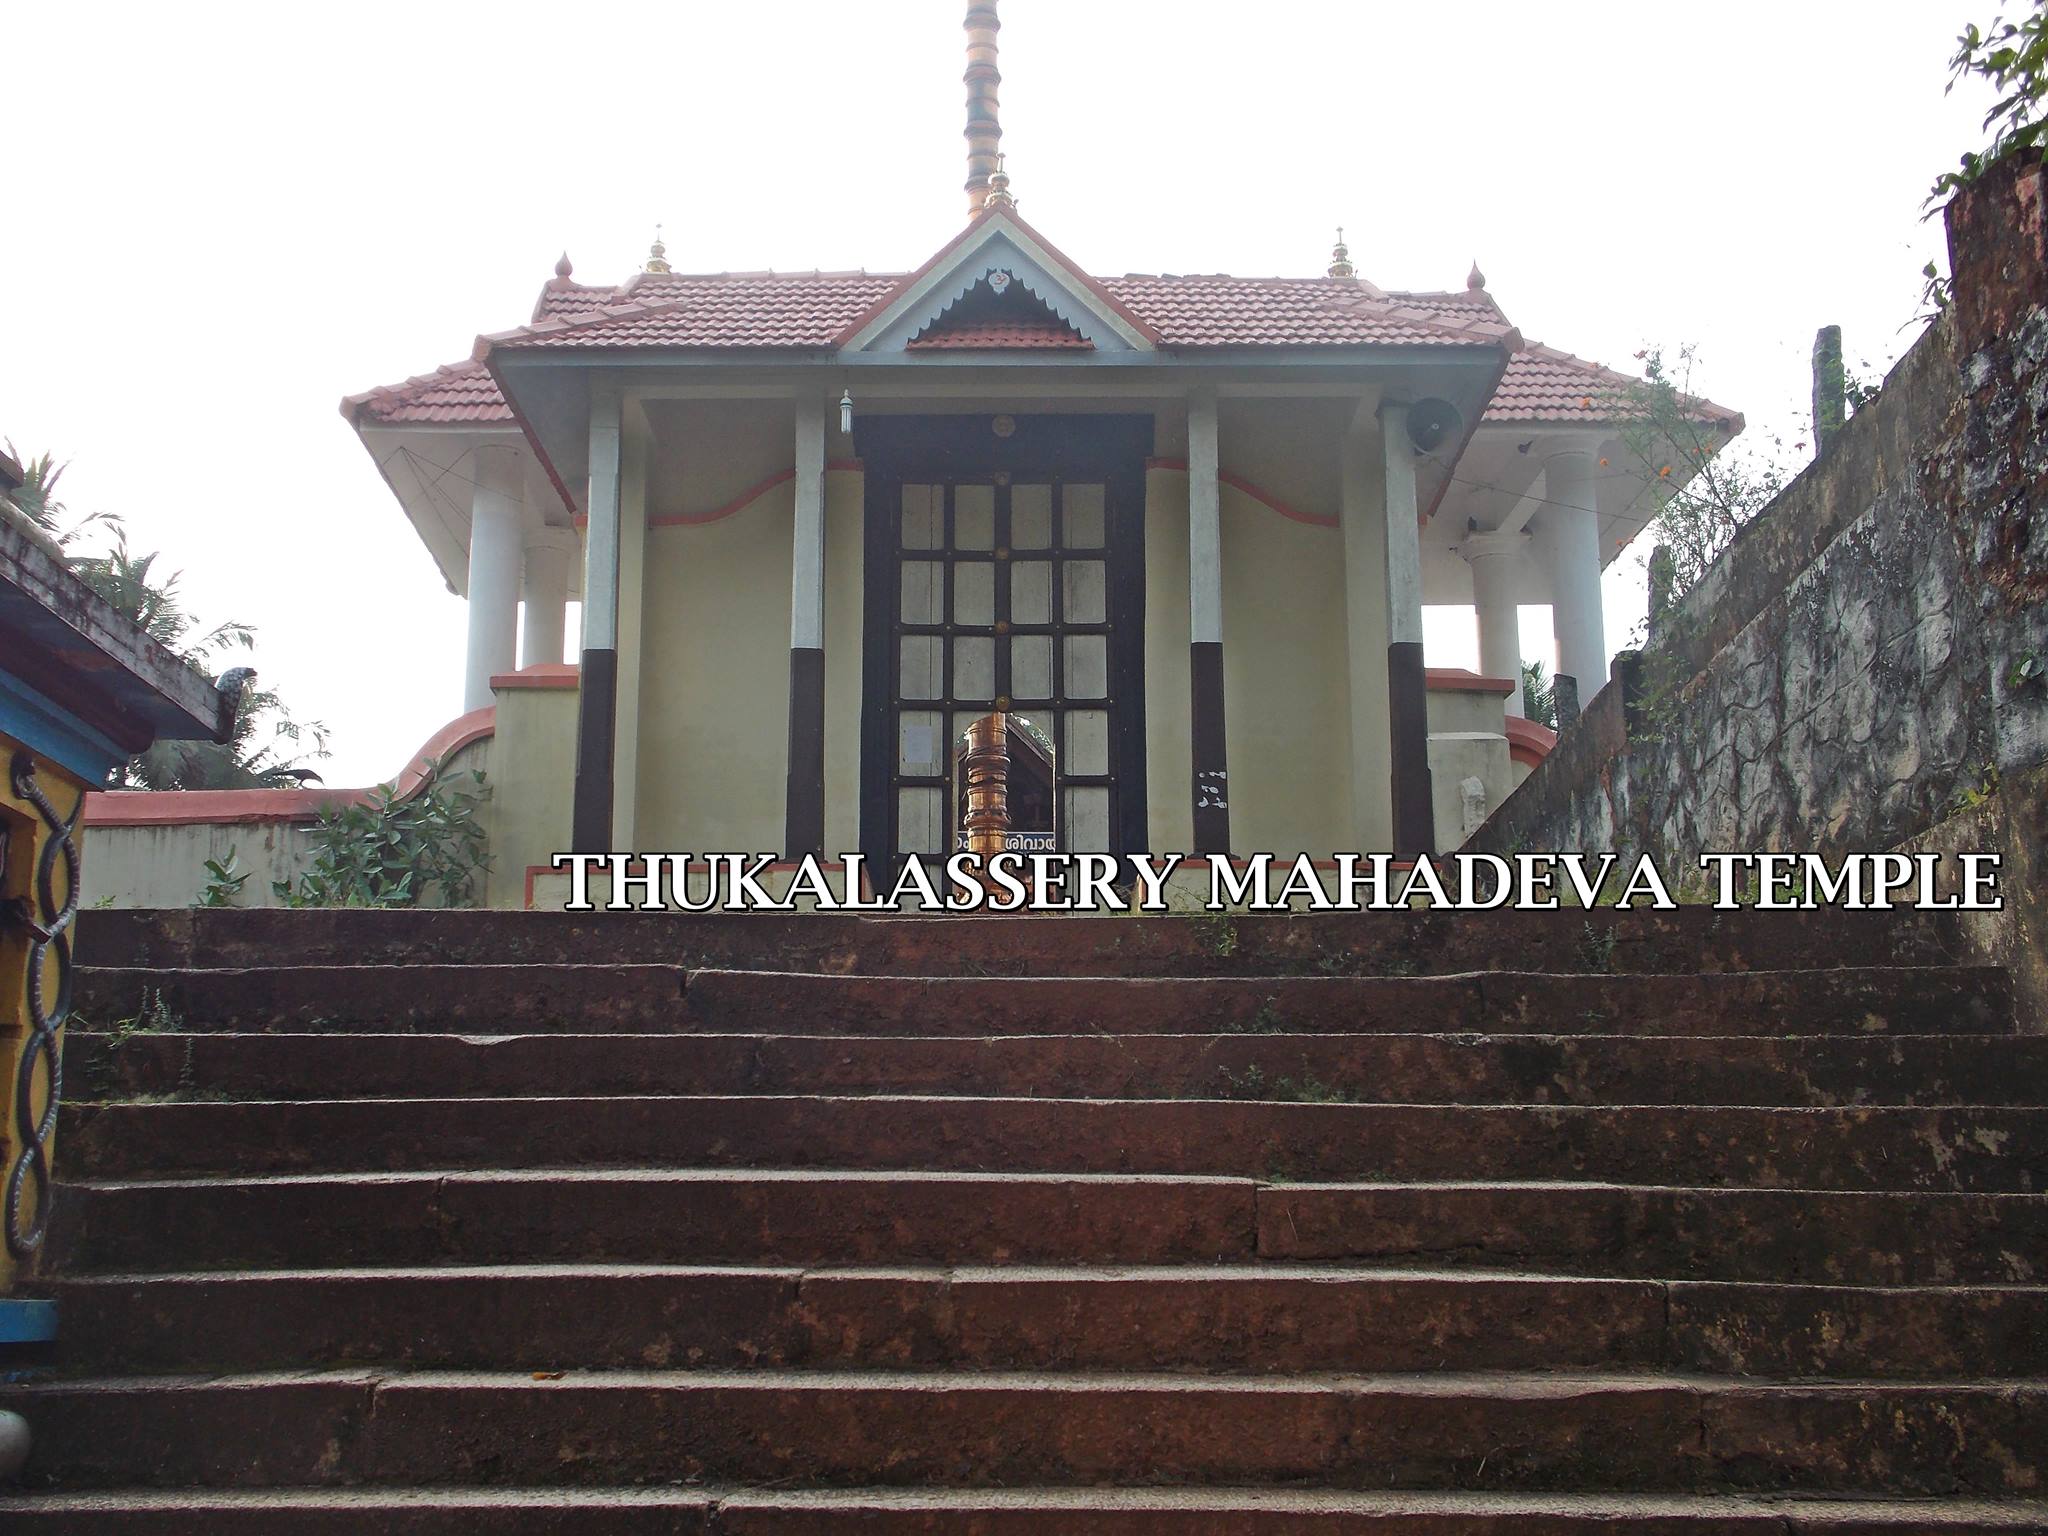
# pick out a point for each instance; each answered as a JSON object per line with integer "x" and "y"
{"x": 807, "y": 556}
{"x": 1496, "y": 559}
{"x": 601, "y": 531}
{"x": 1571, "y": 524}
{"x": 1208, "y": 731}
{"x": 1365, "y": 629}
{"x": 548, "y": 552}
{"x": 1205, "y": 523}
{"x": 1404, "y": 533}
{"x": 494, "y": 557}
{"x": 1407, "y": 679}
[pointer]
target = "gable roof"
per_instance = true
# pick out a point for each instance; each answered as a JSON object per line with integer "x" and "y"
{"x": 817, "y": 311}
{"x": 999, "y": 238}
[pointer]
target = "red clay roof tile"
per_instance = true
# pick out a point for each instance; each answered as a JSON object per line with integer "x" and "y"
{"x": 736, "y": 310}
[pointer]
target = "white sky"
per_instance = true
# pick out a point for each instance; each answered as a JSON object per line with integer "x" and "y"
{"x": 224, "y": 218}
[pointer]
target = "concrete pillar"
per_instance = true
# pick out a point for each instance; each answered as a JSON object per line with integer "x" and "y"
{"x": 1407, "y": 684}
{"x": 1205, "y": 627}
{"x": 494, "y": 558}
{"x": 1496, "y": 559}
{"x": 1571, "y": 524}
{"x": 1365, "y": 631}
{"x": 597, "y": 697}
{"x": 804, "y": 795}
{"x": 541, "y": 634}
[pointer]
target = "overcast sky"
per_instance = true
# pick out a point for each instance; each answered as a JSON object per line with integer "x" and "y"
{"x": 225, "y": 218}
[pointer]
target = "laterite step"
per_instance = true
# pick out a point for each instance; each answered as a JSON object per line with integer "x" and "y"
{"x": 1524, "y": 1224}
{"x": 993, "y": 1512}
{"x": 1971, "y": 1148}
{"x": 1443, "y": 1430}
{"x": 1228, "y": 1318}
{"x": 1816, "y": 1070}
{"x": 1337, "y": 943}
{"x": 808, "y": 1217}
{"x": 514, "y": 999}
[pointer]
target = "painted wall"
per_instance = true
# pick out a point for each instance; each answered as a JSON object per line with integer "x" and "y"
{"x": 1285, "y": 684}
{"x": 532, "y": 772}
{"x": 165, "y": 865}
{"x": 713, "y": 732}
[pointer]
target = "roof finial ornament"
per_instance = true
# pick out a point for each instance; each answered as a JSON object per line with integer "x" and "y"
{"x": 999, "y": 188}
{"x": 984, "y": 124}
{"x": 1340, "y": 257}
{"x": 1475, "y": 280}
{"x": 562, "y": 267}
{"x": 657, "y": 254}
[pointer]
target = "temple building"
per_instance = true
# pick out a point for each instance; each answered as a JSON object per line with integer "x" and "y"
{"x": 818, "y": 522}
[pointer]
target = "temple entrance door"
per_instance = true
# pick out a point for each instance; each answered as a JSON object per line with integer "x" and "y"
{"x": 1004, "y": 571}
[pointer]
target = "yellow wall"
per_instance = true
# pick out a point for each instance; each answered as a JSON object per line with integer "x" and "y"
{"x": 531, "y": 772}
{"x": 714, "y": 716}
{"x": 1285, "y": 709}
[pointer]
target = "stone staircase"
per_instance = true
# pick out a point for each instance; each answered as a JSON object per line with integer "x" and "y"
{"x": 1531, "y": 1223}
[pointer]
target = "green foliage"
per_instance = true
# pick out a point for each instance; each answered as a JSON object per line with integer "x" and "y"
{"x": 224, "y": 881}
{"x": 2012, "y": 57}
{"x": 36, "y": 496}
{"x": 1703, "y": 492}
{"x": 1539, "y": 694}
{"x": 423, "y": 850}
{"x": 269, "y": 749}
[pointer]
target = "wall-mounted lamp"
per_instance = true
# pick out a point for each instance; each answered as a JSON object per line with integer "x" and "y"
{"x": 846, "y": 412}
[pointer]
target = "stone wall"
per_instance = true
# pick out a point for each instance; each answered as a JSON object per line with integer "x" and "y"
{"x": 1867, "y": 659}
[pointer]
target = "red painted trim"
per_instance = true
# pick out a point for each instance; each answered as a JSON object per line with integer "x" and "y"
{"x": 541, "y": 676}
{"x": 1529, "y": 742}
{"x": 1263, "y": 497}
{"x": 252, "y": 807}
{"x": 739, "y": 503}
{"x": 746, "y": 498}
{"x": 1458, "y": 680}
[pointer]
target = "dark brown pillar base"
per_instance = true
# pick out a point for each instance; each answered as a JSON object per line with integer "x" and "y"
{"x": 803, "y": 826}
{"x": 1212, "y": 781}
{"x": 597, "y": 709}
{"x": 1408, "y": 716}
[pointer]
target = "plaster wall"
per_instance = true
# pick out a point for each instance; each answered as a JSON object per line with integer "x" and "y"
{"x": 1286, "y": 709}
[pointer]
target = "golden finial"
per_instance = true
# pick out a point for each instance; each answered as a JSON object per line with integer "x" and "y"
{"x": 657, "y": 254}
{"x": 1340, "y": 257}
{"x": 999, "y": 187}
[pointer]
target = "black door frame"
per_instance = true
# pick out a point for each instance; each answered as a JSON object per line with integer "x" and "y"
{"x": 899, "y": 450}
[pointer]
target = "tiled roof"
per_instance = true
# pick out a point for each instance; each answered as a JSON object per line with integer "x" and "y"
{"x": 1293, "y": 312}
{"x": 727, "y": 309}
{"x": 810, "y": 310}
{"x": 461, "y": 392}
{"x": 1003, "y": 336}
{"x": 1544, "y": 384}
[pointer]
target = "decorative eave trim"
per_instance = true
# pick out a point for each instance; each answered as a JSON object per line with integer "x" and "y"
{"x": 934, "y": 287}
